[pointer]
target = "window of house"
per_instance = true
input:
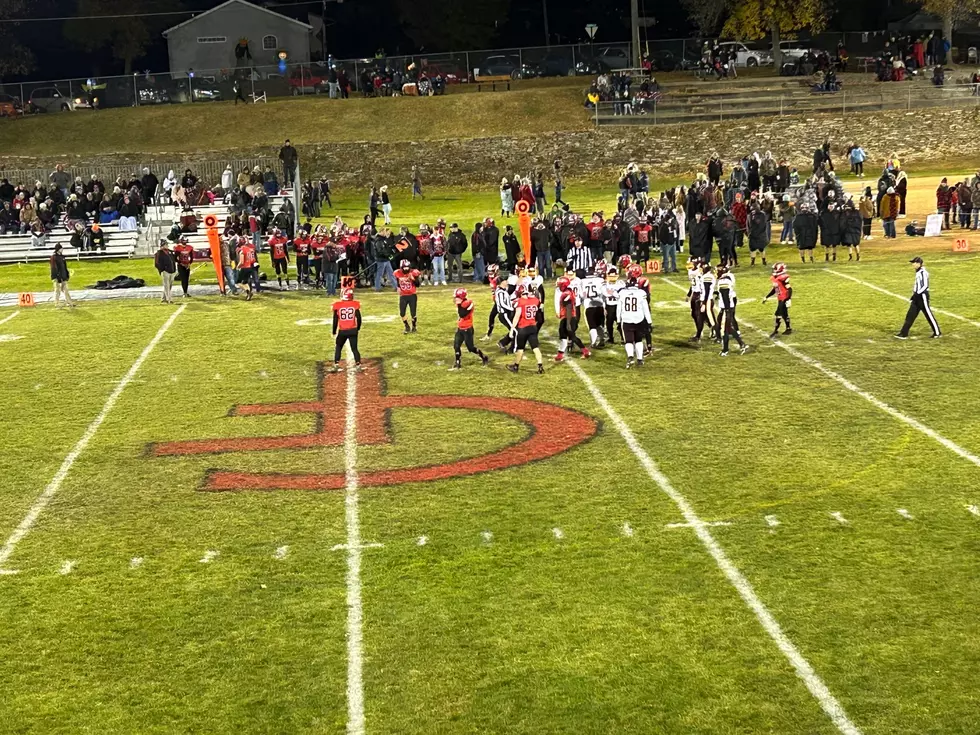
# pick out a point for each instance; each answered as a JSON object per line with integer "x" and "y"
{"x": 212, "y": 39}
{"x": 270, "y": 43}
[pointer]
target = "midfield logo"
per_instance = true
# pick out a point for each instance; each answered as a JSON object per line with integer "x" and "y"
{"x": 552, "y": 430}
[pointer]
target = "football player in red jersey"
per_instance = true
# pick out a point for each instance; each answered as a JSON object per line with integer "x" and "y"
{"x": 317, "y": 246}
{"x": 301, "y": 244}
{"x": 567, "y": 310}
{"x": 527, "y": 306}
{"x": 346, "y": 325}
{"x": 280, "y": 257}
{"x": 464, "y": 329}
{"x": 407, "y": 279}
{"x": 784, "y": 295}
{"x": 185, "y": 257}
{"x": 247, "y": 263}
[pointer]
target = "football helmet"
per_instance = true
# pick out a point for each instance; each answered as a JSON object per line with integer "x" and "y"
{"x": 459, "y": 293}
{"x": 563, "y": 283}
{"x": 600, "y": 268}
{"x": 625, "y": 262}
{"x": 347, "y": 294}
{"x": 634, "y": 271}
{"x": 405, "y": 265}
{"x": 778, "y": 268}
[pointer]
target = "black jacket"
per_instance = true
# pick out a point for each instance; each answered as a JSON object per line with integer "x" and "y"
{"x": 288, "y": 155}
{"x": 540, "y": 239}
{"x": 830, "y": 227}
{"x": 805, "y": 230}
{"x": 456, "y": 243}
{"x": 700, "y": 234}
{"x": 165, "y": 261}
{"x": 59, "y": 268}
{"x": 478, "y": 243}
{"x": 850, "y": 226}
{"x": 757, "y": 225}
{"x": 512, "y": 246}
{"x": 491, "y": 243}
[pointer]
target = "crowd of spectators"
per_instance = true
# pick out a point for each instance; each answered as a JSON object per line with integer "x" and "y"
{"x": 622, "y": 90}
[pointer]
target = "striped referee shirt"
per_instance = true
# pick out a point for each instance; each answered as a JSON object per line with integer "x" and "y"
{"x": 579, "y": 259}
{"x": 921, "y": 282}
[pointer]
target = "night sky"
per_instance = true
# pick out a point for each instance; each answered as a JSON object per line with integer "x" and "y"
{"x": 358, "y": 27}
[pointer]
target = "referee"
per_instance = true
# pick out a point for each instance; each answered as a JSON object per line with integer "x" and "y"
{"x": 919, "y": 302}
{"x": 579, "y": 260}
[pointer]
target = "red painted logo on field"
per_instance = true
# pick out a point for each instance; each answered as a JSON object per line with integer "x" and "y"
{"x": 552, "y": 430}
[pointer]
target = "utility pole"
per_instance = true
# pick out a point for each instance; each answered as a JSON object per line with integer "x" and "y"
{"x": 547, "y": 35}
{"x": 635, "y": 36}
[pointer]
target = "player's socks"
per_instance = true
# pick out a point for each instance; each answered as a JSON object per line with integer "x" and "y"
{"x": 629, "y": 350}
{"x": 639, "y": 351}
{"x": 593, "y": 336}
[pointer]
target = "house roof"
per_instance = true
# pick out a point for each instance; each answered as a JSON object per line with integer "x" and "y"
{"x": 237, "y": 2}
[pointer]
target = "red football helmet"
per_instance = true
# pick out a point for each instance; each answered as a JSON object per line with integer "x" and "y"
{"x": 600, "y": 268}
{"x": 459, "y": 293}
{"x": 625, "y": 262}
{"x": 635, "y": 271}
{"x": 518, "y": 292}
{"x": 347, "y": 294}
{"x": 405, "y": 265}
{"x": 563, "y": 283}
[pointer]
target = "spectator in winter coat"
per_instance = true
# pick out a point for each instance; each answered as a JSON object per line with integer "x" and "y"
{"x": 830, "y": 230}
{"x": 491, "y": 242}
{"x": 867, "y": 210}
{"x": 889, "y": 212}
{"x": 60, "y": 276}
{"x": 478, "y": 245}
{"x": 850, "y": 230}
{"x": 944, "y": 196}
{"x": 715, "y": 169}
{"x": 506, "y": 198}
{"x": 858, "y": 157}
{"x": 150, "y": 183}
{"x": 787, "y": 215}
{"x": 456, "y": 246}
{"x": 805, "y": 230}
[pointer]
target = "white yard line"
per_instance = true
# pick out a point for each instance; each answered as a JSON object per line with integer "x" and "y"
{"x": 8, "y": 318}
{"x": 558, "y": 533}
{"x": 355, "y": 613}
{"x": 874, "y": 401}
{"x": 975, "y": 510}
{"x": 885, "y": 291}
{"x": 772, "y": 521}
{"x": 209, "y": 556}
{"x": 839, "y": 517}
{"x": 54, "y": 486}
{"x": 905, "y": 514}
{"x": 627, "y": 530}
{"x": 803, "y": 669}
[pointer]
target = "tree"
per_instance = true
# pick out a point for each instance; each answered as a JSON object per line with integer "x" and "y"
{"x": 705, "y": 14}
{"x": 953, "y": 13}
{"x": 15, "y": 58}
{"x": 753, "y": 19}
{"x": 452, "y": 24}
{"x": 129, "y": 38}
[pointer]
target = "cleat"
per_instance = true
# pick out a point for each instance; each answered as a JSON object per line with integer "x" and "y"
{"x": 586, "y": 353}
{"x": 724, "y": 353}
{"x": 788, "y": 331}
{"x": 485, "y": 338}
{"x": 629, "y": 364}
{"x": 455, "y": 367}
{"x": 540, "y": 369}
{"x": 695, "y": 338}
{"x": 406, "y": 330}
{"x": 513, "y": 368}
{"x": 774, "y": 334}
{"x": 560, "y": 357}
{"x": 936, "y": 336}
{"x": 414, "y": 330}
{"x": 743, "y": 349}
{"x": 486, "y": 360}
{"x": 639, "y": 363}
{"x": 899, "y": 336}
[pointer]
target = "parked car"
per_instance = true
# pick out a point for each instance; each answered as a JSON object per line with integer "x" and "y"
{"x": 744, "y": 56}
{"x": 793, "y": 50}
{"x": 197, "y": 89}
{"x": 53, "y": 99}
{"x": 501, "y": 65}
{"x": 450, "y": 72}
{"x": 615, "y": 57}
{"x": 306, "y": 80}
{"x": 10, "y": 106}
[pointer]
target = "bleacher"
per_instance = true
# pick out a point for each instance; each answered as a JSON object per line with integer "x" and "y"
{"x": 18, "y": 248}
{"x": 160, "y": 219}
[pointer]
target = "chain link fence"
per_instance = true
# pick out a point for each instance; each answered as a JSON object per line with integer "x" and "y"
{"x": 336, "y": 77}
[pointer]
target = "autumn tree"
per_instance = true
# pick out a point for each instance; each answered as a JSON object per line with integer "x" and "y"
{"x": 128, "y": 37}
{"x": 15, "y": 58}
{"x": 705, "y": 14}
{"x": 953, "y": 12}
{"x": 754, "y": 19}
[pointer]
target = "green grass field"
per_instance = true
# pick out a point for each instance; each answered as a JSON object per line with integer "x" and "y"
{"x": 565, "y": 594}
{"x": 549, "y": 597}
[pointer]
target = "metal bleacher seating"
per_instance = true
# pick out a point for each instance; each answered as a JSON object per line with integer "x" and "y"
{"x": 160, "y": 219}
{"x": 19, "y": 248}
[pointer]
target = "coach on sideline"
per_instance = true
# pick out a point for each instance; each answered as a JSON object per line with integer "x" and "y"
{"x": 919, "y": 302}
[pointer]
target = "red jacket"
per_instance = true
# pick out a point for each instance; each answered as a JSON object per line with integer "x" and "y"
{"x": 944, "y": 197}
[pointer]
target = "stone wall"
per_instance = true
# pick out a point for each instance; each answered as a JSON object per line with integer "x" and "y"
{"x": 925, "y": 138}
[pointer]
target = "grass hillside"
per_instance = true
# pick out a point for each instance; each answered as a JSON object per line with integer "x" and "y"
{"x": 222, "y": 126}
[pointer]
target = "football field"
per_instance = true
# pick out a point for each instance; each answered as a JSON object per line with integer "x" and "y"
{"x": 205, "y": 531}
